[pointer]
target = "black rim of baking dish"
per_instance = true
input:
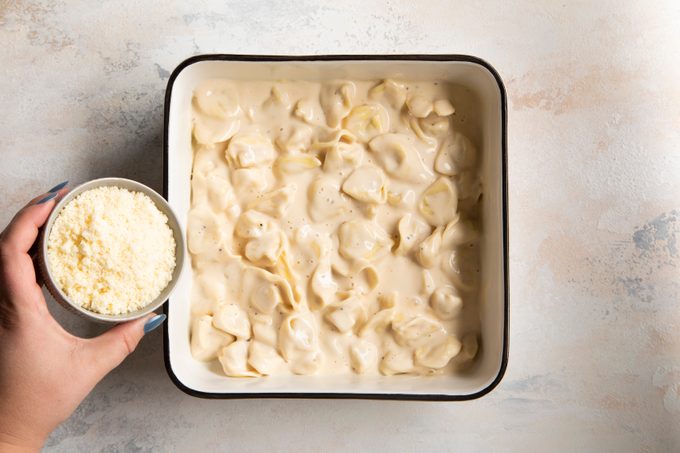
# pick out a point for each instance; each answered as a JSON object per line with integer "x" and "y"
{"x": 504, "y": 188}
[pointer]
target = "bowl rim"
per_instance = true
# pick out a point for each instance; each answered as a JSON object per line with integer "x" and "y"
{"x": 130, "y": 185}
{"x": 463, "y": 58}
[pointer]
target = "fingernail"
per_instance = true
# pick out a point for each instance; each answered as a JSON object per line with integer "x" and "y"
{"x": 47, "y": 198}
{"x": 58, "y": 187}
{"x": 153, "y": 323}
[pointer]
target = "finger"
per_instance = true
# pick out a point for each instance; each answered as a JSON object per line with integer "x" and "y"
{"x": 36, "y": 266}
{"x": 108, "y": 350}
{"x": 18, "y": 276}
{"x": 22, "y": 231}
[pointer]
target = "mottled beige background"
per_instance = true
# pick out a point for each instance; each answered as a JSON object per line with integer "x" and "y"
{"x": 594, "y": 156}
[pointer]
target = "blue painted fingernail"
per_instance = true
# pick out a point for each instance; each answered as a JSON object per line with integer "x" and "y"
{"x": 58, "y": 187}
{"x": 47, "y": 198}
{"x": 153, "y": 323}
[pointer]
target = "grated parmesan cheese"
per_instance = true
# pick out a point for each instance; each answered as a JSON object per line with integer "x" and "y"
{"x": 111, "y": 250}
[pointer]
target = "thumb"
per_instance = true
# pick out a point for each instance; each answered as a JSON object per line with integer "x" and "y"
{"x": 109, "y": 349}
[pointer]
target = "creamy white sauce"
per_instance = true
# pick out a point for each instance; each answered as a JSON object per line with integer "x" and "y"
{"x": 333, "y": 227}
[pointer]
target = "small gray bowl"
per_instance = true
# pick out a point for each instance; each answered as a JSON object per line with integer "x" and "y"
{"x": 173, "y": 223}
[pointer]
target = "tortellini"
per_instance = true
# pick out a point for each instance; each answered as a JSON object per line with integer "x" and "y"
{"x": 326, "y": 202}
{"x": 299, "y": 333}
{"x": 265, "y": 333}
{"x": 214, "y": 189}
{"x": 401, "y": 199}
{"x": 265, "y": 250}
{"x": 443, "y": 239}
{"x": 438, "y": 356}
{"x": 419, "y": 106}
{"x": 285, "y": 271}
{"x": 428, "y": 283}
{"x": 297, "y": 163}
{"x": 251, "y": 183}
{"x": 470, "y": 346}
{"x": 425, "y": 138}
{"x": 263, "y": 358}
{"x": 278, "y": 97}
{"x": 234, "y": 360}
{"x": 336, "y": 101}
{"x": 299, "y": 343}
{"x": 368, "y": 120}
{"x": 439, "y": 202}
{"x": 264, "y": 291}
{"x": 399, "y": 157}
{"x": 247, "y": 150}
{"x": 462, "y": 266}
{"x": 397, "y": 361}
{"x": 411, "y": 232}
{"x": 330, "y": 138}
{"x": 312, "y": 246}
{"x": 434, "y": 126}
{"x": 393, "y": 92}
{"x": 334, "y": 227}
{"x": 443, "y": 107}
{"x": 231, "y": 318}
{"x": 207, "y": 162}
{"x": 367, "y": 184}
{"x": 363, "y": 356}
{"x": 253, "y": 224}
{"x": 206, "y": 232}
{"x": 378, "y": 323}
{"x": 347, "y": 315}
{"x": 456, "y": 155}
{"x": 208, "y": 131}
{"x": 208, "y": 290}
{"x": 220, "y": 193}
{"x": 206, "y": 340}
{"x": 307, "y": 111}
{"x": 343, "y": 157}
{"x": 363, "y": 240}
{"x": 469, "y": 185}
{"x": 459, "y": 232}
{"x": 264, "y": 243}
{"x": 428, "y": 251}
{"x": 265, "y": 298}
{"x": 276, "y": 202}
{"x": 297, "y": 140}
{"x": 427, "y": 340}
{"x": 446, "y": 302}
{"x": 322, "y": 283}
{"x": 218, "y": 98}
{"x": 417, "y": 331}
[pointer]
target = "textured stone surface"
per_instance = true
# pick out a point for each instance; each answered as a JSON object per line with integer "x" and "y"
{"x": 594, "y": 120}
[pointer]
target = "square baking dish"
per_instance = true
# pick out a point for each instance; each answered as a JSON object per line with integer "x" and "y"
{"x": 483, "y": 82}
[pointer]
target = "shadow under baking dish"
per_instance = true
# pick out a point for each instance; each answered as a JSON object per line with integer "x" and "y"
{"x": 200, "y": 379}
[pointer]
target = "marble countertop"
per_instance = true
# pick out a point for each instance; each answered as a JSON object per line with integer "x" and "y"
{"x": 594, "y": 174}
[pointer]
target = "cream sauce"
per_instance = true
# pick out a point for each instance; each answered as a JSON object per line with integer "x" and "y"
{"x": 333, "y": 227}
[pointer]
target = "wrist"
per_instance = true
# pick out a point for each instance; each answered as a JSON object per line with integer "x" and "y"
{"x": 18, "y": 430}
{"x": 11, "y": 443}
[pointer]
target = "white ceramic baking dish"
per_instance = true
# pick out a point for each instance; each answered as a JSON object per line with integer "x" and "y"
{"x": 483, "y": 82}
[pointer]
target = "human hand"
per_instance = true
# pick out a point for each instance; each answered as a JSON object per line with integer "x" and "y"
{"x": 45, "y": 372}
